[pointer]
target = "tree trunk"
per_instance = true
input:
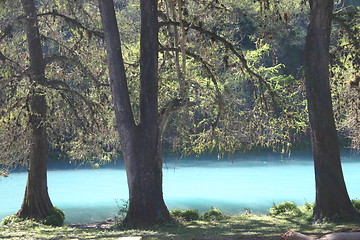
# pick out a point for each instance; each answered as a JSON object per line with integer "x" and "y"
{"x": 144, "y": 175}
{"x": 332, "y": 200}
{"x": 36, "y": 203}
{"x": 141, "y": 144}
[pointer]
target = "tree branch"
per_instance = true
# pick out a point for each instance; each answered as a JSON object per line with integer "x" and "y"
{"x": 274, "y": 97}
{"x": 166, "y": 111}
{"x": 214, "y": 81}
{"x": 7, "y": 31}
{"x": 17, "y": 104}
{"x": 177, "y": 103}
{"x": 352, "y": 34}
{"x": 74, "y": 22}
{"x": 74, "y": 62}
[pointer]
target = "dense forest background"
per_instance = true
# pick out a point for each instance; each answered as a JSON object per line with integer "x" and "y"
{"x": 237, "y": 65}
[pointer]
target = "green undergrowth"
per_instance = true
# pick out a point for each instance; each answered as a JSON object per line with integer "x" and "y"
{"x": 211, "y": 225}
{"x": 56, "y": 219}
{"x": 356, "y": 203}
{"x": 193, "y": 214}
{"x": 289, "y": 208}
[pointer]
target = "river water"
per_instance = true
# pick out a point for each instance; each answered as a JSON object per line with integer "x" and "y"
{"x": 233, "y": 184}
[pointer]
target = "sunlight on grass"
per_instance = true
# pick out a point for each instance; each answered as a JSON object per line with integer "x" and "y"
{"x": 243, "y": 226}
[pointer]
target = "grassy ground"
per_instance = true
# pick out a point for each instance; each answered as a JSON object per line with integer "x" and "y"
{"x": 246, "y": 226}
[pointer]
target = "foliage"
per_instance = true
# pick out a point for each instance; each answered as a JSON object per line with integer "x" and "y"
{"x": 284, "y": 208}
{"x": 214, "y": 214}
{"x": 56, "y": 217}
{"x": 185, "y": 215}
{"x": 345, "y": 79}
{"x": 307, "y": 207}
{"x": 253, "y": 113}
{"x": 80, "y": 122}
{"x": 226, "y": 108}
{"x": 122, "y": 211}
{"x": 356, "y": 203}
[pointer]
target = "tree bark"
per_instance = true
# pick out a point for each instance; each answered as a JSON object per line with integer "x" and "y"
{"x": 36, "y": 203}
{"x": 141, "y": 144}
{"x": 144, "y": 175}
{"x": 332, "y": 200}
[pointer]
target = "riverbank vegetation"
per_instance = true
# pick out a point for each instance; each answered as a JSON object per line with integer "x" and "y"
{"x": 190, "y": 77}
{"x": 220, "y": 226}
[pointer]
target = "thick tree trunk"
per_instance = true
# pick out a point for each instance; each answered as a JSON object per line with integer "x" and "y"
{"x": 140, "y": 143}
{"x": 144, "y": 164}
{"x": 144, "y": 174}
{"x": 36, "y": 203}
{"x": 332, "y": 199}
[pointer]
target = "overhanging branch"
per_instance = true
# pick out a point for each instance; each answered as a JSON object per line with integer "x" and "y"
{"x": 262, "y": 82}
{"x": 174, "y": 105}
{"x": 74, "y": 22}
{"x": 74, "y": 62}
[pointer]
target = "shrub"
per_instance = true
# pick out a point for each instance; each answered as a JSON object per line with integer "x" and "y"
{"x": 56, "y": 218}
{"x": 284, "y": 208}
{"x": 247, "y": 211}
{"x": 356, "y": 203}
{"x": 11, "y": 219}
{"x": 309, "y": 206}
{"x": 307, "y": 211}
{"x": 214, "y": 214}
{"x": 187, "y": 215}
{"x": 123, "y": 207}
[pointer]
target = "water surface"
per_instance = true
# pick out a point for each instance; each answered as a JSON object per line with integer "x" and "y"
{"x": 232, "y": 184}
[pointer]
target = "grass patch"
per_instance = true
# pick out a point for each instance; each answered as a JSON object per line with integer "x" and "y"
{"x": 11, "y": 220}
{"x": 246, "y": 226}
